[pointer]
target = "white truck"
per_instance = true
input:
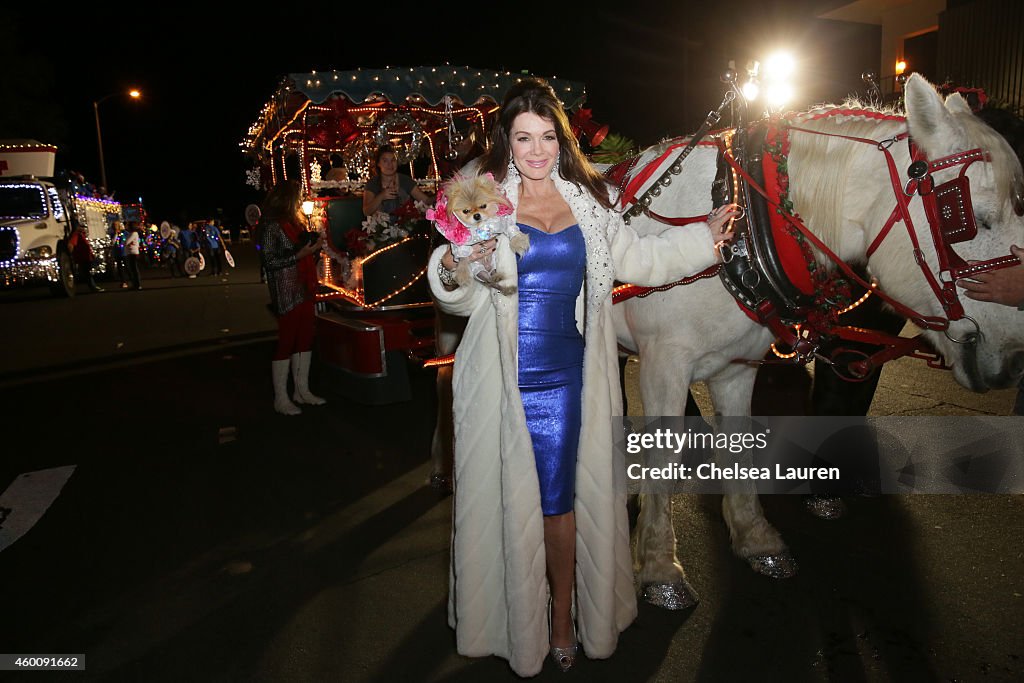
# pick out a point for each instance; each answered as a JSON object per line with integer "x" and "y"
{"x": 37, "y": 216}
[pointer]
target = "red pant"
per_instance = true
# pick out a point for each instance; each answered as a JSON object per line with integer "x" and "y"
{"x": 295, "y": 330}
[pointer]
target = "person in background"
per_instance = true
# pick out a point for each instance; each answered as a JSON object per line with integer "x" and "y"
{"x": 466, "y": 149}
{"x": 169, "y": 254}
{"x": 388, "y": 189}
{"x": 132, "y": 251}
{"x": 189, "y": 244}
{"x": 83, "y": 256}
{"x": 337, "y": 172}
{"x": 287, "y": 252}
{"x": 118, "y": 235}
{"x": 214, "y": 247}
{"x": 448, "y": 330}
{"x": 1004, "y": 287}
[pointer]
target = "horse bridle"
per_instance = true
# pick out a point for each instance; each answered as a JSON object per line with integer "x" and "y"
{"x": 950, "y": 215}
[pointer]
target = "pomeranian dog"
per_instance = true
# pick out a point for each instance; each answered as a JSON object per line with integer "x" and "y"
{"x": 473, "y": 209}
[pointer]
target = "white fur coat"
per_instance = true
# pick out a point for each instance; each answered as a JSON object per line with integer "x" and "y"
{"x": 498, "y": 588}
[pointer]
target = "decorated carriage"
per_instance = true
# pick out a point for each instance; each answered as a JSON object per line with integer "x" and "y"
{"x": 374, "y": 309}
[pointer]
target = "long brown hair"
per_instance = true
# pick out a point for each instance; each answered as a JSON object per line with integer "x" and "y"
{"x": 381, "y": 151}
{"x": 283, "y": 201}
{"x": 534, "y": 95}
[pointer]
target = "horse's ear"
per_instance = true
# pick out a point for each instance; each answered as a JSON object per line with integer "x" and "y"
{"x": 956, "y": 104}
{"x": 932, "y": 126}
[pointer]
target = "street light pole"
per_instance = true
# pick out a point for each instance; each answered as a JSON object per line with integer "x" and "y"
{"x": 99, "y": 141}
{"x": 134, "y": 94}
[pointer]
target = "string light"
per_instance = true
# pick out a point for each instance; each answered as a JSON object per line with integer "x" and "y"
{"x": 439, "y": 361}
{"x": 271, "y": 133}
{"x": 19, "y": 147}
{"x": 433, "y": 158}
{"x": 55, "y": 202}
{"x": 16, "y": 240}
{"x": 858, "y": 302}
{"x": 108, "y": 205}
{"x": 357, "y": 296}
{"x": 30, "y": 186}
{"x": 798, "y": 333}
{"x": 252, "y": 177}
{"x": 783, "y": 356}
{"x": 328, "y": 271}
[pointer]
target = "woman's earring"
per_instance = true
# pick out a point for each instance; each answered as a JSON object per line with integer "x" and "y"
{"x": 513, "y": 171}
{"x": 554, "y": 169}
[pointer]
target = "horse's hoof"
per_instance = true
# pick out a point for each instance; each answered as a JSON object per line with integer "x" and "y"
{"x": 779, "y": 566}
{"x": 825, "y": 507}
{"x": 675, "y": 596}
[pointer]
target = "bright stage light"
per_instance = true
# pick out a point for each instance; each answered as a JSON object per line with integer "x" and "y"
{"x": 779, "y": 94}
{"x": 779, "y": 66}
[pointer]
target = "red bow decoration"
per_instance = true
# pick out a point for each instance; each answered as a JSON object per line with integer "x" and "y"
{"x": 407, "y": 212}
{"x": 975, "y": 97}
{"x": 583, "y": 123}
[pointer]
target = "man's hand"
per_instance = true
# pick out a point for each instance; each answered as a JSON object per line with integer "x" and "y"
{"x": 1005, "y": 286}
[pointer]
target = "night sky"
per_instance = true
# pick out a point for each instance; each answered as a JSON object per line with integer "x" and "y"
{"x": 651, "y": 71}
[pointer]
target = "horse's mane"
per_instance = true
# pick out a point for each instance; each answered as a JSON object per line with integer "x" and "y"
{"x": 815, "y": 194}
{"x": 1006, "y": 163}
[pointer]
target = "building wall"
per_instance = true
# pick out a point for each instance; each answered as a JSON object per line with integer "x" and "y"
{"x": 898, "y": 19}
{"x": 903, "y": 22}
{"x": 981, "y": 44}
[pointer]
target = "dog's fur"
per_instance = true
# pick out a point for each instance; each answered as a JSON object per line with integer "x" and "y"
{"x": 478, "y": 203}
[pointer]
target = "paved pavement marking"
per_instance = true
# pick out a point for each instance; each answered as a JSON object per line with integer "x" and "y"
{"x": 28, "y": 498}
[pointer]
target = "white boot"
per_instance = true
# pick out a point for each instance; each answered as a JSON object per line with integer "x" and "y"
{"x": 279, "y": 369}
{"x": 300, "y": 373}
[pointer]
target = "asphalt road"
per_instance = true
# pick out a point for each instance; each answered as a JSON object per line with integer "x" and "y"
{"x": 202, "y": 537}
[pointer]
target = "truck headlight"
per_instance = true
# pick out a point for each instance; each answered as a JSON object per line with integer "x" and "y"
{"x": 40, "y": 252}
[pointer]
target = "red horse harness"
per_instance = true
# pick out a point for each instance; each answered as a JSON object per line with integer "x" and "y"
{"x": 798, "y": 308}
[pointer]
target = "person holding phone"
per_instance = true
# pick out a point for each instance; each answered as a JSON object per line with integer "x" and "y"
{"x": 287, "y": 253}
{"x": 388, "y": 189}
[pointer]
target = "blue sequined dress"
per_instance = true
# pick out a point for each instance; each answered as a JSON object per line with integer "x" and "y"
{"x": 551, "y": 358}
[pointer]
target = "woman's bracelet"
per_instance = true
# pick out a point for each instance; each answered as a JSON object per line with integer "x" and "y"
{"x": 447, "y": 277}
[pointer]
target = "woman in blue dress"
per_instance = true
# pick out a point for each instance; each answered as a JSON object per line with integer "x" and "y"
{"x": 540, "y": 542}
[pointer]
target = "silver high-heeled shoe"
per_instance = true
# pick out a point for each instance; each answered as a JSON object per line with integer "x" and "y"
{"x": 565, "y": 657}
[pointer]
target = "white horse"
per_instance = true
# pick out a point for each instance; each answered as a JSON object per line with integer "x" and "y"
{"x": 843, "y": 192}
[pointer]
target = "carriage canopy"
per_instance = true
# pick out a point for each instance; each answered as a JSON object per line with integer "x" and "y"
{"x": 418, "y": 110}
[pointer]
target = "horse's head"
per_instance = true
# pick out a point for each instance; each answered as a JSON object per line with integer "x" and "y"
{"x": 996, "y": 358}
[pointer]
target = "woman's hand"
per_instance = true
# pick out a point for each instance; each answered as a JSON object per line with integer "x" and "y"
{"x": 311, "y": 248}
{"x": 1004, "y": 286}
{"x": 482, "y": 251}
{"x": 448, "y": 260}
{"x": 720, "y": 222}
{"x": 372, "y": 202}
